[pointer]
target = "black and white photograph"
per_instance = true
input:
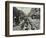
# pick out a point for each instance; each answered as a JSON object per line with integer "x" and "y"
{"x": 24, "y": 18}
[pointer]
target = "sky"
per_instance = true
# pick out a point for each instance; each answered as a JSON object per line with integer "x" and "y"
{"x": 26, "y": 10}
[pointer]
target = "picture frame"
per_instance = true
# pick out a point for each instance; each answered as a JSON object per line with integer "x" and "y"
{"x": 12, "y": 18}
